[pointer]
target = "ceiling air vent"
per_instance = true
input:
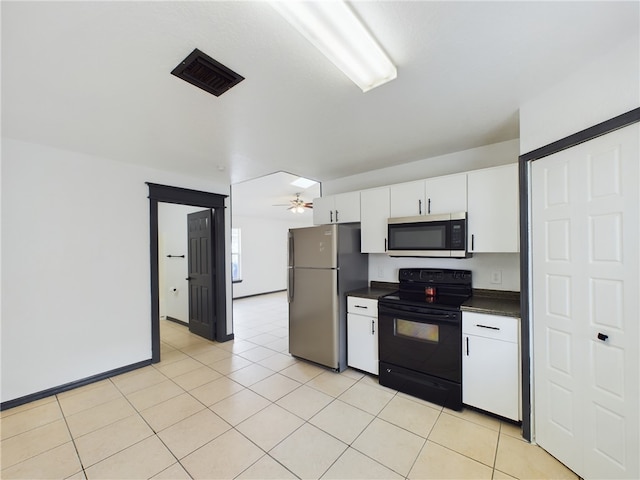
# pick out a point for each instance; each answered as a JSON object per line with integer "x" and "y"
{"x": 204, "y": 72}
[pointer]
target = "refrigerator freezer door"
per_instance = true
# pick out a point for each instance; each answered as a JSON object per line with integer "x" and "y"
{"x": 314, "y": 247}
{"x": 314, "y": 322}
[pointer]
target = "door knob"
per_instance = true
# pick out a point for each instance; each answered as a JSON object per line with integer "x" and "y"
{"x": 188, "y": 278}
{"x": 603, "y": 337}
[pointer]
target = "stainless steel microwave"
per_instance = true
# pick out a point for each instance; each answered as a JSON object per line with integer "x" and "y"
{"x": 428, "y": 236}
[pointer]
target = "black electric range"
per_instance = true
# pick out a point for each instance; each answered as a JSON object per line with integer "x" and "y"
{"x": 420, "y": 334}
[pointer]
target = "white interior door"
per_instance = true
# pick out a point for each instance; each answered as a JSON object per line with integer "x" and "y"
{"x": 585, "y": 268}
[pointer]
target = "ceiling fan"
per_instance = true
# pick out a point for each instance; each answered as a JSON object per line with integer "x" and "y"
{"x": 296, "y": 205}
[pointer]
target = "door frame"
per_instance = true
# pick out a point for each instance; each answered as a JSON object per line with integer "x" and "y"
{"x": 608, "y": 126}
{"x": 195, "y": 198}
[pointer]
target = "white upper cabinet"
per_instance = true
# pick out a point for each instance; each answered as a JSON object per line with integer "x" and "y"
{"x": 340, "y": 208}
{"x": 374, "y": 211}
{"x": 407, "y": 199}
{"x": 493, "y": 210}
{"x": 447, "y": 194}
{"x": 323, "y": 210}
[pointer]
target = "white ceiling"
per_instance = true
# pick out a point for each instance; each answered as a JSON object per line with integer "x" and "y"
{"x": 94, "y": 77}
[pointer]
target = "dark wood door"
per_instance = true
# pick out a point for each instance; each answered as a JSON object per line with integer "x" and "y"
{"x": 201, "y": 274}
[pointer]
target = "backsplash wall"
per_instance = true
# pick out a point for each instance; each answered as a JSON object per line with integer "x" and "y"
{"x": 484, "y": 267}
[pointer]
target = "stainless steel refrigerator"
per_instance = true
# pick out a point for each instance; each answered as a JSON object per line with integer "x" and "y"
{"x": 324, "y": 263}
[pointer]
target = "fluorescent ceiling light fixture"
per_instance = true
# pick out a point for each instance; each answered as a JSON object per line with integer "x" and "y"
{"x": 303, "y": 182}
{"x": 335, "y": 30}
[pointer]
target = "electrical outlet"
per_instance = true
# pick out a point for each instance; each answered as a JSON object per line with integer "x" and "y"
{"x": 496, "y": 277}
{"x": 380, "y": 272}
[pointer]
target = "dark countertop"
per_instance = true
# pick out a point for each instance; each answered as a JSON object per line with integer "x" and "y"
{"x": 493, "y": 302}
{"x": 374, "y": 291}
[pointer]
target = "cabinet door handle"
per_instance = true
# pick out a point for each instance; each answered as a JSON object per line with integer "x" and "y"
{"x": 385, "y": 244}
{"x": 472, "y": 241}
{"x": 603, "y": 337}
{"x": 429, "y": 206}
{"x": 487, "y": 326}
{"x": 361, "y": 306}
{"x": 336, "y": 216}
{"x": 330, "y": 216}
{"x": 467, "y": 339}
{"x": 373, "y": 327}
{"x": 419, "y": 207}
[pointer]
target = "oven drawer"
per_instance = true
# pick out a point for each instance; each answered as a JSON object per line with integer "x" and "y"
{"x": 496, "y": 327}
{"x": 362, "y": 306}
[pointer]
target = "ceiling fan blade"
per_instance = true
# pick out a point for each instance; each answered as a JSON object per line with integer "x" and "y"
{"x": 294, "y": 203}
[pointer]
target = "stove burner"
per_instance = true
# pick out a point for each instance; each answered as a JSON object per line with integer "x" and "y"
{"x": 446, "y": 289}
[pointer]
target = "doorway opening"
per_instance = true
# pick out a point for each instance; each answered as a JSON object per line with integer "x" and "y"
{"x": 215, "y": 202}
{"x": 263, "y": 210}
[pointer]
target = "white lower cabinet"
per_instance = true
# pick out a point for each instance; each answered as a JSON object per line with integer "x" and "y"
{"x": 362, "y": 334}
{"x": 491, "y": 363}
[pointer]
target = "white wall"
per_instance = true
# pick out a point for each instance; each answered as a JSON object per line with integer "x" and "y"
{"x": 75, "y": 265}
{"x": 473, "y": 159}
{"x": 264, "y": 253}
{"x": 173, "y": 272}
{"x": 385, "y": 268}
{"x": 608, "y": 86}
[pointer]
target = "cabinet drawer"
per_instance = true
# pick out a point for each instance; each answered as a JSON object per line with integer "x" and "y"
{"x": 491, "y": 326}
{"x": 362, "y": 306}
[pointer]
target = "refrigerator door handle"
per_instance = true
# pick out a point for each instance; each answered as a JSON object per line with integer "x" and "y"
{"x": 290, "y": 250}
{"x": 290, "y": 289}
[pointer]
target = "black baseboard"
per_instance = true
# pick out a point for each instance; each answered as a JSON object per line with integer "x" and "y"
{"x": 259, "y": 294}
{"x": 70, "y": 386}
{"x": 225, "y": 338}
{"x": 221, "y": 338}
{"x": 175, "y": 320}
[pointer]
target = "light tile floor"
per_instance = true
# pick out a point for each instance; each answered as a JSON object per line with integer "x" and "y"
{"x": 246, "y": 409}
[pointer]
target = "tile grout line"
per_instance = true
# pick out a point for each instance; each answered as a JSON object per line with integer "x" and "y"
{"x": 154, "y": 434}
{"x": 73, "y": 440}
{"x": 55, "y": 396}
{"x": 440, "y": 412}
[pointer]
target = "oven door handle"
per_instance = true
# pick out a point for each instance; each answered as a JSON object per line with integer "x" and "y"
{"x": 419, "y": 316}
